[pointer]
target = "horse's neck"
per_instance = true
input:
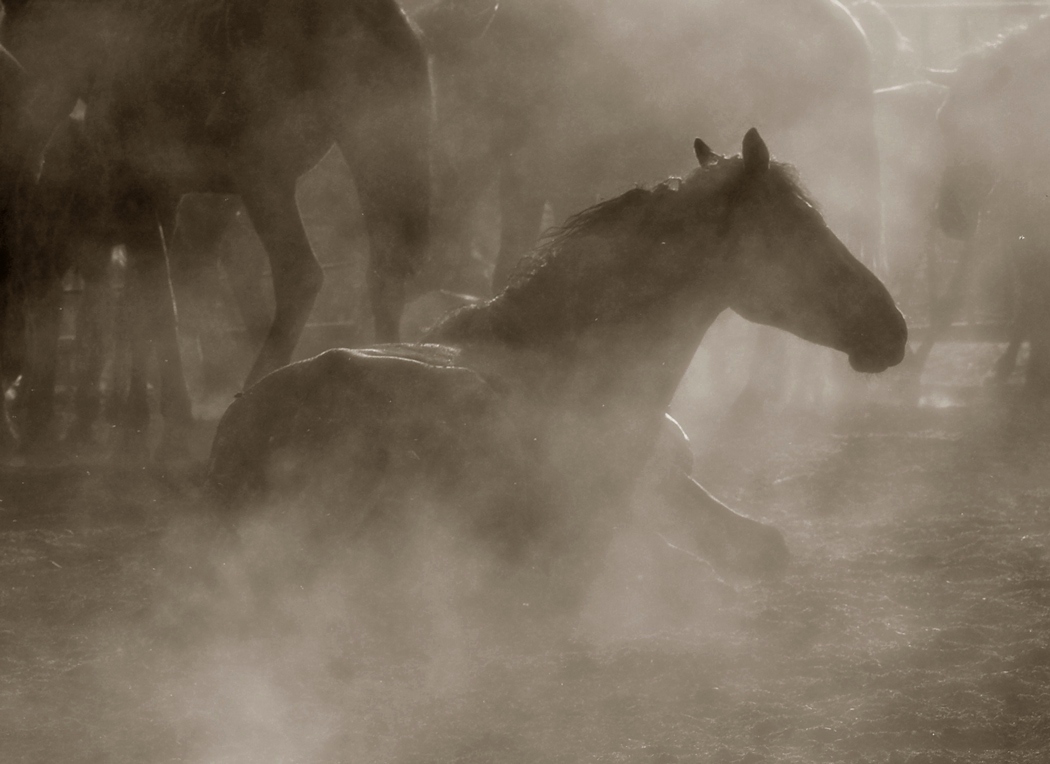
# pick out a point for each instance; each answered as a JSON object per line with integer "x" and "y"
{"x": 605, "y": 387}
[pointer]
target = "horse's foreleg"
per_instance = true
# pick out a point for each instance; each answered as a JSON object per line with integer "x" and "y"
{"x": 297, "y": 276}
{"x": 728, "y": 540}
{"x": 156, "y": 329}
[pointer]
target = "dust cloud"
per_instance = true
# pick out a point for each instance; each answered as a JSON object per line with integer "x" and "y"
{"x": 140, "y": 623}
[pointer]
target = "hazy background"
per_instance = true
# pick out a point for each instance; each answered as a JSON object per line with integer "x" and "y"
{"x": 911, "y": 627}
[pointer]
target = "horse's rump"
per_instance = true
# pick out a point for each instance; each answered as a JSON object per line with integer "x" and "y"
{"x": 372, "y": 429}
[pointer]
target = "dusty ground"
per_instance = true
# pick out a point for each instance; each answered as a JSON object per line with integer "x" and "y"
{"x": 913, "y": 625}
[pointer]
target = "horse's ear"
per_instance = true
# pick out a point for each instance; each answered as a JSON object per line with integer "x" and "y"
{"x": 704, "y": 154}
{"x": 945, "y": 77}
{"x": 756, "y": 153}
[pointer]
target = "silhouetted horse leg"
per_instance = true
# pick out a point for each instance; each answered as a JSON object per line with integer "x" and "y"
{"x": 1034, "y": 282}
{"x": 246, "y": 276}
{"x": 728, "y": 540}
{"x": 1019, "y": 328}
{"x": 196, "y": 246}
{"x": 457, "y": 197}
{"x": 245, "y": 272}
{"x": 44, "y": 310}
{"x": 155, "y": 328}
{"x": 521, "y": 213}
{"x": 390, "y": 266}
{"x": 297, "y": 276}
{"x": 91, "y": 328}
{"x": 12, "y": 350}
{"x": 1026, "y": 265}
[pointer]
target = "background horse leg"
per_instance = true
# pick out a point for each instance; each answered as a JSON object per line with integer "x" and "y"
{"x": 944, "y": 311}
{"x": 297, "y": 276}
{"x": 1021, "y": 325}
{"x": 91, "y": 324}
{"x": 453, "y": 264}
{"x": 43, "y": 322}
{"x": 153, "y": 313}
{"x": 1030, "y": 255}
{"x": 197, "y": 247}
{"x": 390, "y": 265}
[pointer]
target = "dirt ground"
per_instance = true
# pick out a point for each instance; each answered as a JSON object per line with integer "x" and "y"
{"x": 913, "y": 625}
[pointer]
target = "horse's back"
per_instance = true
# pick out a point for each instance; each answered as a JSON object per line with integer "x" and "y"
{"x": 365, "y": 427}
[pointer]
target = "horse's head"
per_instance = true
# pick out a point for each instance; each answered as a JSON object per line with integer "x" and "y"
{"x": 785, "y": 267}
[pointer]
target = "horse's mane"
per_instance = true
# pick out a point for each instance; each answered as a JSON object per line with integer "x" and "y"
{"x": 556, "y": 274}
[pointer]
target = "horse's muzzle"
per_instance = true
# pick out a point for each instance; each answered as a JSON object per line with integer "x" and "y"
{"x": 883, "y": 349}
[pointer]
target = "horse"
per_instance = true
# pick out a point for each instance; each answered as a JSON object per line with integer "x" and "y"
{"x": 524, "y": 423}
{"x": 995, "y": 132}
{"x": 235, "y": 97}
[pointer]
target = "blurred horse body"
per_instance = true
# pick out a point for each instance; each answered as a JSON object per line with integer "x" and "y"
{"x": 237, "y": 97}
{"x": 996, "y": 127}
{"x": 524, "y": 423}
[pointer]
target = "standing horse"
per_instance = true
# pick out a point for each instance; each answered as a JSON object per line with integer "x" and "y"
{"x": 528, "y": 419}
{"x": 996, "y": 127}
{"x": 237, "y": 97}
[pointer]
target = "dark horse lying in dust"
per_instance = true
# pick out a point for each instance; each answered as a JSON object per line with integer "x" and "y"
{"x": 231, "y": 96}
{"x": 527, "y": 421}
